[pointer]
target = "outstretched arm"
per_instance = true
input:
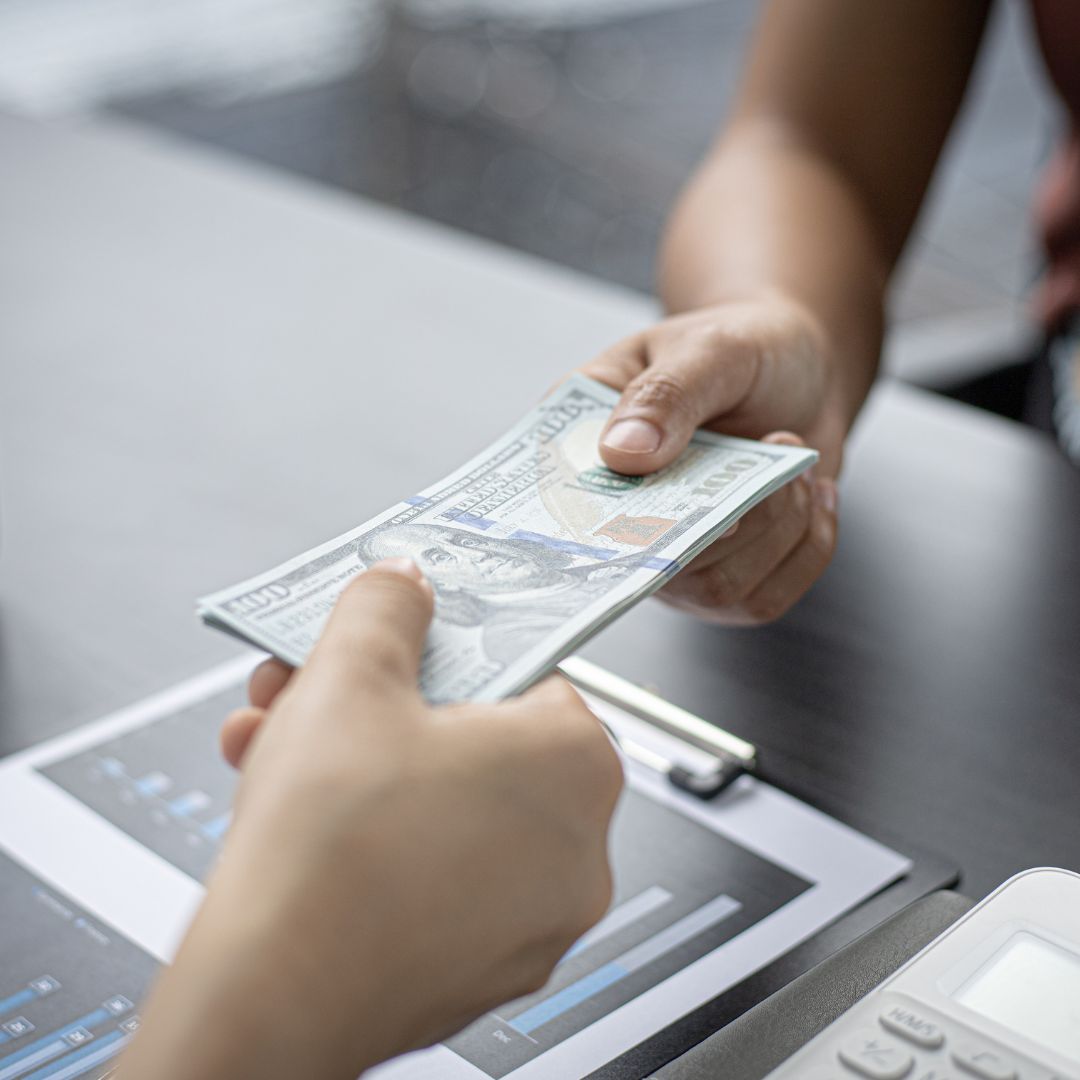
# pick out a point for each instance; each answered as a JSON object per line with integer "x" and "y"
{"x": 363, "y": 905}
{"x": 812, "y": 190}
{"x": 775, "y": 268}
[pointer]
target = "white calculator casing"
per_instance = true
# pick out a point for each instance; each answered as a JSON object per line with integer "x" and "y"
{"x": 995, "y": 997}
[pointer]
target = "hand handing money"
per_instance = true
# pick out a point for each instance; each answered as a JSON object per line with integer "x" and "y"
{"x": 531, "y": 547}
{"x": 754, "y": 367}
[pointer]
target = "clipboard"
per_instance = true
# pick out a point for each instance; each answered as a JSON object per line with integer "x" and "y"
{"x": 732, "y": 757}
{"x": 703, "y": 868}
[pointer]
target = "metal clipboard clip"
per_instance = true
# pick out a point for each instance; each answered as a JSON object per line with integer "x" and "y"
{"x": 728, "y": 756}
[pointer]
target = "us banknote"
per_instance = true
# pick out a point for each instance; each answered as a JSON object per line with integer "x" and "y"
{"x": 531, "y": 547}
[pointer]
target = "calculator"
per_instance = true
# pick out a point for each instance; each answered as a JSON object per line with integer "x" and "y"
{"x": 995, "y": 997}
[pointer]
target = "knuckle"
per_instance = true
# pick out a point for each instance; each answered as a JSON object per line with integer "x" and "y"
{"x": 578, "y": 720}
{"x": 564, "y": 697}
{"x": 790, "y": 504}
{"x": 801, "y": 497}
{"x": 618, "y": 365}
{"x": 741, "y": 347}
{"x": 562, "y": 712}
{"x": 591, "y": 746}
{"x": 593, "y": 770}
{"x": 822, "y": 538}
{"x": 569, "y": 740}
{"x": 720, "y": 587}
{"x": 687, "y": 601}
{"x": 605, "y": 770}
{"x": 660, "y": 392}
{"x": 734, "y": 335}
{"x": 774, "y": 508}
{"x": 704, "y": 331}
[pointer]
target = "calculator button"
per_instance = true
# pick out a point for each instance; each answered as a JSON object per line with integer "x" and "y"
{"x": 986, "y": 1064}
{"x": 871, "y": 1054}
{"x": 910, "y": 1025}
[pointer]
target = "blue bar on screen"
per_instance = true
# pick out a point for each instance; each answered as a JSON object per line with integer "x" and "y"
{"x": 29, "y": 1061}
{"x": 189, "y": 803}
{"x": 8, "y": 1065}
{"x": 86, "y": 1057}
{"x": 567, "y": 998}
{"x": 630, "y": 911}
{"x": 679, "y": 932}
{"x": 217, "y": 827}
{"x": 671, "y": 937}
{"x": 9, "y": 1004}
{"x": 153, "y": 783}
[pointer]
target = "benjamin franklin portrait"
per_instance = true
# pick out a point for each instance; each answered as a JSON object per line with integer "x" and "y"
{"x": 516, "y": 590}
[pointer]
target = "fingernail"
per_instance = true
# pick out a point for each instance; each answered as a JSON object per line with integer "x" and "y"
{"x": 730, "y": 531}
{"x": 634, "y": 436}
{"x": 405, "y": 567}
{"x": 783, "y": 438}
{"x": 825, "y": 495}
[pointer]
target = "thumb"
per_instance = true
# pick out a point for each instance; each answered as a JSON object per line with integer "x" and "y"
{"x": 377, "y": 629}
{"x": 662, "y": 407}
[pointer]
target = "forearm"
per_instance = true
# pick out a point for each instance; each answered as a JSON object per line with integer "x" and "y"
{"x": 814, "y": 188}
{"x": 765, "y": 215}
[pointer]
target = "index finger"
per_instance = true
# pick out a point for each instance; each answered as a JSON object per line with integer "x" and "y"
{"x": 267, "y": 681}
{"x": 620, "y": 364}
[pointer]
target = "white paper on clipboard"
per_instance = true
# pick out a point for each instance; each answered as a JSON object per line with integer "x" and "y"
{"x": 122, "y": 817}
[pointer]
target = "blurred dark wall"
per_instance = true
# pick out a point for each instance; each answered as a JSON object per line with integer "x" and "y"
{"x": 571, "y": 143}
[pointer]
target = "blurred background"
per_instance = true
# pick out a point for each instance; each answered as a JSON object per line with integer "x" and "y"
{"x": 563, "y": 128}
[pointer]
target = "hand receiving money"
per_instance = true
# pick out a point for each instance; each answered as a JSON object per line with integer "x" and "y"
{"x": 348, "y": 900}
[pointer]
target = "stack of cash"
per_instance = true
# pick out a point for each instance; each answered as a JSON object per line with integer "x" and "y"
{"x": 531, "y": 547}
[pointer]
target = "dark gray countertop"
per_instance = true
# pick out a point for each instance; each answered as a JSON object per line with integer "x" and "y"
{"x": 206, "y": 368}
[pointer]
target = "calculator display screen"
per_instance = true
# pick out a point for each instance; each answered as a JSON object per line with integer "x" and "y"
{"x": 1032, "y": 987}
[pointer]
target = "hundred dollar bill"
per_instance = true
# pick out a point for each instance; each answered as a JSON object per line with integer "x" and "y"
{"x": 531, "y": 547}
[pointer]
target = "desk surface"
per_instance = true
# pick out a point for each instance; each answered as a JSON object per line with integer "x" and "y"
{"x": 207, "y": 369}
